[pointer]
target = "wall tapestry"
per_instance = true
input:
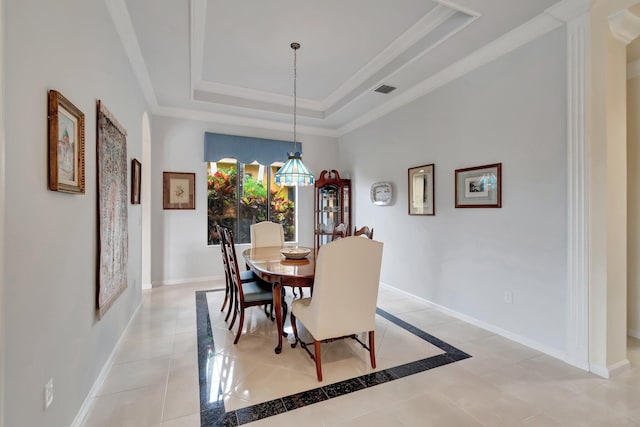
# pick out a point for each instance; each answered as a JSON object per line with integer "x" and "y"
{"x": 112, "y": 209}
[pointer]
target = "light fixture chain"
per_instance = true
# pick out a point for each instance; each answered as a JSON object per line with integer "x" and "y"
{"x": 295, "y": 97}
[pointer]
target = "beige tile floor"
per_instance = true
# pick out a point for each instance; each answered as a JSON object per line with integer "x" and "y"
{"x": 154, "y": 379}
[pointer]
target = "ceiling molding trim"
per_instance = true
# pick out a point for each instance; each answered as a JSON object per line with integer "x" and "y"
{"x": 568, "y": 10}
{"x": 436, "y": 16}
{"x": 254, "y": 95}
{"x": 531, "y": 30}
{"x": 228, "y": 119}
{"x": 453, "y": 5}
{"x": 198, "y": 16}
{"x": 390, "y": 76}
{"x": 625, "y": 26}
{"x": 124, "y": 28}
{"x": 633, "y": 69}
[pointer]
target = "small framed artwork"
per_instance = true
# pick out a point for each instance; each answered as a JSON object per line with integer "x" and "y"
{"x": 66, "y": 145}
{"x": 421, "y": 190}
{"x": 479, "y": 187}
{"x": 179, "y": 190}
{"x": 136, "y": 169}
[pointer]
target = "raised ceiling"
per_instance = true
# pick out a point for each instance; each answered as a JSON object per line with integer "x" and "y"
{"x": 230, "y": 61}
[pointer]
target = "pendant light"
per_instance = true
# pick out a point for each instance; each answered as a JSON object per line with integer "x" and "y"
{"x": 294, "y": 172}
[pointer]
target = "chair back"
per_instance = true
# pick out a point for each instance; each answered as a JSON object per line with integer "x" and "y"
{"x": 339, "y": 232}
{"x": 345, "y": 290}
{"x": 221, "y": 237}
{"x": 266, "y": 233}
{"x": 364, "y": 231}
{"x": 232, "y": 262}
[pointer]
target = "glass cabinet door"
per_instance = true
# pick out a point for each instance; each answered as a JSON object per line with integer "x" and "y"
{"x": 332, "y": 206}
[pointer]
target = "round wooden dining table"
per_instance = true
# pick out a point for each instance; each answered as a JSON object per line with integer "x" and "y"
{"x": 271, "y": 266}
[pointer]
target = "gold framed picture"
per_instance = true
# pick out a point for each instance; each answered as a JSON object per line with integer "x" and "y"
{"x": 66, "y": 145}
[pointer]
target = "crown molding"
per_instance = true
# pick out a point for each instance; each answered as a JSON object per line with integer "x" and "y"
{"x": 531, "y": 30}
{"x": 625, "y": 26}
{"x": 124, "y": 28}
{"x": 233, "y": 120}
{"x": 436, "y": 16}
{"x": 633, "y": 69}
{"x": 198, "y": 16}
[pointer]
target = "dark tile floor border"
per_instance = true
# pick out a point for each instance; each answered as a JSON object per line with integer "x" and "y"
{"x": 213, "y": 413}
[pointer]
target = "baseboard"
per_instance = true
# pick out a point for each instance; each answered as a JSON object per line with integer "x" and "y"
{"x": 496, "y": 330}
{"x": 157, "y": 283}
{"x": 612, "y": 370}
{"x": 633, "y": 333}
{"x": 86, "y": 405}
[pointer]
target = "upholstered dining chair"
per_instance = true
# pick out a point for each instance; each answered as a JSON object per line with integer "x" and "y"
{"x": 345, "y": 293}
{"x": 245, "y": 276}
{"x": 266, "y": 233}
{"x": 247, "y": 294}
{"x": 363, "y": 231}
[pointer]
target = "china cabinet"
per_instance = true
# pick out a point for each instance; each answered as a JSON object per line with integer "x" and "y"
{"x": 332, "y": 205}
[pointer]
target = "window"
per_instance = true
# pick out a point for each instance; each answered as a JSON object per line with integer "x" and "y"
{"x": 240, "y": 194}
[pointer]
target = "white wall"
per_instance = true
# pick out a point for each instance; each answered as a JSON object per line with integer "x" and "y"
{"x": 512, "y": 111}
{"x": 179, "y": 251}
{"x": 51, "y": 329}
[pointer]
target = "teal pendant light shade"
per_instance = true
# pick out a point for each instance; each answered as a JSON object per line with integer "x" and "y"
{"x": 294, "y": 172}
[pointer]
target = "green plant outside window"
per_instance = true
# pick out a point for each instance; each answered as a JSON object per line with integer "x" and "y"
{"x": 256, "y": 199}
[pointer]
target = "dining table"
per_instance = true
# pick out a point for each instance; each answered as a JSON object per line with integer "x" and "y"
{"x": 270, "y": 265}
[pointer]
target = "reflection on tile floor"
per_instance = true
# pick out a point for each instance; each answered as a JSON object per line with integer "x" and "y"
{"x": 154, "y": 380}
{"x": 235, "y": 380}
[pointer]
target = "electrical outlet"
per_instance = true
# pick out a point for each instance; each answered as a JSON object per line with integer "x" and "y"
{"x": 508, "y": 297}
{"x": 48, "y": 393}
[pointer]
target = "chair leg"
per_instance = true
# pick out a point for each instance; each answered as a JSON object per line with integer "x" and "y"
{"x": 301, "y": 293}
{"x": 316, "y": 345}
{"x": 226, "y": 296}
{"x": 372, "y": 349}
{"x": 241, "y": 324}
{"x": 235, "y": 313}
{"x": 232, "y": 299}
{"x": 295, "y": 330}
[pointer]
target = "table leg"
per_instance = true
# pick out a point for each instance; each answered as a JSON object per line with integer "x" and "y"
{"x": 277, "y": 303}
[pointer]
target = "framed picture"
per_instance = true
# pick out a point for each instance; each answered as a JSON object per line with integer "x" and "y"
{"x": 479, "y": 187}
{"x": 421, "y": 193}
{"x": 66, "y": 145}
{"x": 179, "y": 190}
{"x": 136, "y": 168}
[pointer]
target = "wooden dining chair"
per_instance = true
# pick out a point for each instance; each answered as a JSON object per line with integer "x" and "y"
{"x": 339, "y": 232}
{"x": 247, "y": 294}
{"x": 363, "y": 231}
{"x": 345, "y": 293}
{"x": 245, "y": 276}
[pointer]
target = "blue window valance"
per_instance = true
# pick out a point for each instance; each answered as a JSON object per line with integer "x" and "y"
{"x": 245, "y": 149}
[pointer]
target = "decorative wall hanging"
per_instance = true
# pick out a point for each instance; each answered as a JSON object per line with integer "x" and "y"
{"x": 136, "y": 168}
{"x": 112, "y": 209}
{"x": 479, "y": 187}
{"x": 179, "y": 190}
{"x": 66, "y": 145}
{"x": 381, "y": 193}
{"x": 421, "y": 190}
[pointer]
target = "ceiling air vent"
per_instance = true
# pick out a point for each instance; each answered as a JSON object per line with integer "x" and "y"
{"x": 385, "y": 89}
